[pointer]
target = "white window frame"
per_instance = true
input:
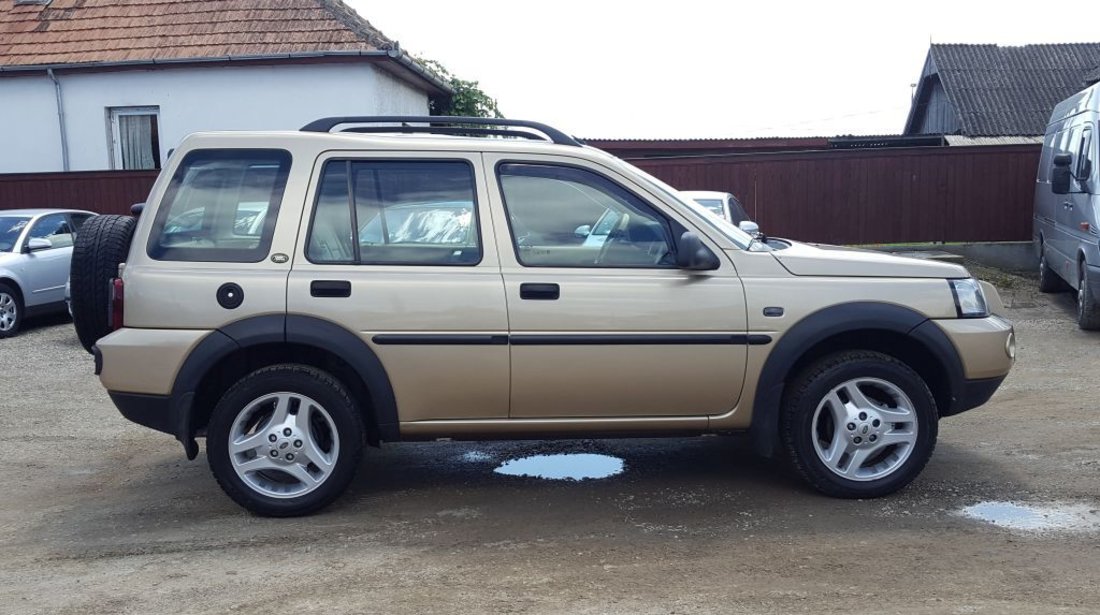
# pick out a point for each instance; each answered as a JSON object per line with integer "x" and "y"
{"x": 113, "y": 113}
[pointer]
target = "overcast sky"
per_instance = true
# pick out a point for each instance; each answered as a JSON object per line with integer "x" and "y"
{"x": 697, "y": 68}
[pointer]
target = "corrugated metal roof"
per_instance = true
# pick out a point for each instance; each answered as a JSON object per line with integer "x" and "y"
{"x": 1003, "y": 140}
{"x": 98, "y": 31}
{"x": 1011, "y": 90}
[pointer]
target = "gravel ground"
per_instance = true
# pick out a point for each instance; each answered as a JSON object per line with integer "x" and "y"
{"x": 102, "y": 516}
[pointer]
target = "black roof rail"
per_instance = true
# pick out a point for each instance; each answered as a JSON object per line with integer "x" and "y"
{"x": 439, "y": 125}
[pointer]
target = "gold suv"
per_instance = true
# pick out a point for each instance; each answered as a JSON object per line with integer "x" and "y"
{"x": 293, "y": 296}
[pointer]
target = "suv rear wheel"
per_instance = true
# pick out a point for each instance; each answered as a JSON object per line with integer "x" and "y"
{"x": 859, "y": 424}
{"x": 285, "y": 440}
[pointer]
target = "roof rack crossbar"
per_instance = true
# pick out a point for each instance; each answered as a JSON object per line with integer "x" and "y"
{"x": 328, "y": 123}
{"x": 447, "y": 130}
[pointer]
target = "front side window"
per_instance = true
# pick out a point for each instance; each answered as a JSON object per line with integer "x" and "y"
{"x": 395, "y": 213}
{"x": 11, "y": 227}
{"x": 1085, "y": 160}
{"x": 569, "y": 217}
{"x": 54, "y": 228}
{"x": 221, "y": 205}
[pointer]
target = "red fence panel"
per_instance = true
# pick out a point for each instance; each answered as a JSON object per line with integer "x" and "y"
{"x": 105, "y": 192}
{"x": 892, "y": 195}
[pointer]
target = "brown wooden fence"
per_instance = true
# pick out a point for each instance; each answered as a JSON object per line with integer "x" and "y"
{"x": 834, "y": 196}
{"x": 105, "y": 192}
{"x": 874, "y": 196}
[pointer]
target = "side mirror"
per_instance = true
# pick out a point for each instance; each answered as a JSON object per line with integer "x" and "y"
{"x": 749, "y": 227}
{"x": 691, "y": 254}
{"x": 1060, "y": 174}
{"x": 38, "y": 243}
{"x": 583, "y": 231}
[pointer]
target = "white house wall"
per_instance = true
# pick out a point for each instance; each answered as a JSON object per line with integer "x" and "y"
{"x": 29, "y": 136}
{"x": 190, "y": 100}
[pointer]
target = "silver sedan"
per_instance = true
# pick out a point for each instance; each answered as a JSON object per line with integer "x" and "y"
{"x": 35, "y": 248}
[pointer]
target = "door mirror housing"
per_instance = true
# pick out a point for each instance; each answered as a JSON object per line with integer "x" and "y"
{"x": 749, "y": 227}
{"x": 36, "y": 244}
{"x": 691, "y": 254}
{"x": 583, "y": 231}
{"x": 1060, "y": 174}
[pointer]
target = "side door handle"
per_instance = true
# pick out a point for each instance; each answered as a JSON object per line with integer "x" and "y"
{"x": 330, "y": 288}
{"x": 539, "y": 292}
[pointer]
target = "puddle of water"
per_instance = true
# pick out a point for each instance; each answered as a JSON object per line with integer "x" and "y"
{"x": 1036, "y": 517}
{"x": 476, "y": 457}
{"x": 573, "y": 466}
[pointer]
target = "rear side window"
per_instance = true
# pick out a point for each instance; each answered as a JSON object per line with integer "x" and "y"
{"x": 221, "y": 206}
{"x": 395, "y": 213}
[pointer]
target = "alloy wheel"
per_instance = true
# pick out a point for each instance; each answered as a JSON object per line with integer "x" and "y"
{"x": 283, "y": 445}
{"x": 864, "y": 429}
{"x": 9, "y": 312}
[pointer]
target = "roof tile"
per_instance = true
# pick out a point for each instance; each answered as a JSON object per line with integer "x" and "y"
{"x": 86, "y": 31}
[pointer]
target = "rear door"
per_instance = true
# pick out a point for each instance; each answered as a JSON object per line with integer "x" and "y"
{"x": 397, "y": 247}
{"x": 609, "y": 329}
{"x": 226, "y": 220}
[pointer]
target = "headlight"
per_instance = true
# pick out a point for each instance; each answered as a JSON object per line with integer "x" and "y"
{"x": 969, "y": 298}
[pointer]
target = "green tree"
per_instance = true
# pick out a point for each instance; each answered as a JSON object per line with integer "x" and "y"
{"x": 469, "y": 99}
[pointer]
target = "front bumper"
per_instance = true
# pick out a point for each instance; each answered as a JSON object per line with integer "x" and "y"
{"x": 975, "y": 393}
{"x": 986, "y": 349}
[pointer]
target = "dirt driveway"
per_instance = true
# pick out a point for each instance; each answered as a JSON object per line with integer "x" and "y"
{"x": 101, "y": 516}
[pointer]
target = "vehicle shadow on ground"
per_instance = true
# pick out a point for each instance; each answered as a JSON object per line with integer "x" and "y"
{"x": 45, "y": 321}
{"x": 414, "y": 492}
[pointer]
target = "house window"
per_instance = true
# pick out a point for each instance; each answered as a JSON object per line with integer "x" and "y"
{"x": 135, "y": 137}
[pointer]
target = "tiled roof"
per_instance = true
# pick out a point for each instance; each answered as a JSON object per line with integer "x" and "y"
{"x": 86, "y": 31}
{"x": 1011, "y": 90}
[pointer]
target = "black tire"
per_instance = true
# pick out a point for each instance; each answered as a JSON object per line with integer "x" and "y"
{"x": 805, "y": 392}
{"x": 303, "y": 380}
{"x": 11, "y": 302}
{"x": 1088, "y": 312}
{"x": 103, "y": 243}
{"x": 1049, "y": 281}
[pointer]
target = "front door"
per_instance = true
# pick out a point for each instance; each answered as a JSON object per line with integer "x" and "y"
{"x": 602, "y": 322}
{"x": 398, "y": 249}
{"x": 47, "y": 269}
{"x": 1079, "y": 211}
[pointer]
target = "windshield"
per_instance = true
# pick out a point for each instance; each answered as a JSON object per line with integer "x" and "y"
{"x": 731, "y": 232}
{"x": 712, "y": 205}
{"x": 10, "y": 229}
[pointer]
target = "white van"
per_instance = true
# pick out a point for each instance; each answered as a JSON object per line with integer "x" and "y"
{"x": 1067, "y": 200}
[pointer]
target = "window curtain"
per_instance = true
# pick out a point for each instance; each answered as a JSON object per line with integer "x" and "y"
{"x": 135, "y": 133}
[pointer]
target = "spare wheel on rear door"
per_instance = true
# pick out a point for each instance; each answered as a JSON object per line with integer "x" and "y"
{"x": 103, "y": 243}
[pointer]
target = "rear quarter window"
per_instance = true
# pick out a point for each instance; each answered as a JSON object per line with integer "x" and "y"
{"x": 221, "y": 206}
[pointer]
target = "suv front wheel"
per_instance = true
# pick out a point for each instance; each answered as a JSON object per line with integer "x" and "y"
{"x": 859, "y": 424}
{"x": 285, "y": 440}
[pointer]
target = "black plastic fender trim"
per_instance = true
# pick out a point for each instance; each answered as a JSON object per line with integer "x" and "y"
{"x": 826, "y": 323}
{"x": 354, "y": 351}
{"x": 271, "y": 329}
